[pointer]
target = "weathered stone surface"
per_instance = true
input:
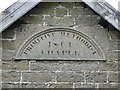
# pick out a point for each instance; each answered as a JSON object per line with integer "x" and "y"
{"x": 60, "y": 74}
{"x": 32, "y": 19}
{"x": 24, "y": 85}
{"x": 65, "y": 66}
{"x": 48, "y": 5}
{"x": 114, "y": 35}
{"x": 96, "y": 77}
{"x": 114, "y": 55}
{"x": 60, "y": 85}
{"x": 7, "y": 54}
{"x": 114, "y": 45}
{"x": 113, "y": 77}
{"x": 81, "y": 11}
{"x": 61, "y": 11}
{"x": 42, "y": 11}
{"x": 84, "y": 85}
{"x": 67, "y": 5}
{"x": 37, "y": 77}
{"x": 60, "y": 44}
{"x": 74, "y": 66}
{"x": 112, "y": 86}
{"x": 70, "y": 77}
{"x": 15, "y": 65}
{"x": 87, "y": 20}
{"x": 108, "y": 66}
{"x": 78, "y": 66}
{"x": 59, "y": 21}
{"x": 45, "y": 66}
{"x": 8, "y": 45}
{"x": 8, "y": 34}
{"x": 10, "y": 76}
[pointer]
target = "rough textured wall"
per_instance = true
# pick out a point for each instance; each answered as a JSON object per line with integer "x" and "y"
{"x": 60, "y": 74}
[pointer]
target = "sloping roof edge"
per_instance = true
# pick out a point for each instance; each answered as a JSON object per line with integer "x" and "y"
{"x": 106, "y": 11}
{"x": 18, "y": 9}
{"x": 14, "y": 12}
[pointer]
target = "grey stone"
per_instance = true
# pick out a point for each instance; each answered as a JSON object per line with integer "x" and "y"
{"x": 32, "y": 19}
{"x": 8, "y": 45}
{"x": 70, "y": 77}
{"x": 60, "y": 44}
{"x": 81, "y": 11}
{"x": 114, "y": 35}
{"x": 84, "y": 86}
{"x": 42, "y": 11}
{"x": 60, "y": 74}
{"x": 15, "y": 65}
{"x": 37, "y": 77}
{"x": 61, "y": 11}
{"x": 45, "y": 66}
{"x": 67, "y": 5}
{"x": 113, "y": 77}
{"x": 9, "y": 33}
{"x": 48, "y": 5}
{"x": 113, "y": 45}
{"x": 87, "y": 20}
{"x": 96, "y": 77}
{"x": 114, "y": 55}
{"x": 7, "y": 54}
{"x": 108, "y": 66}
{"x": 60, "y": 21}
{"x": 10, "y": 76}
{"x": 110, "y": 86}
{"x": 60, "y": 85}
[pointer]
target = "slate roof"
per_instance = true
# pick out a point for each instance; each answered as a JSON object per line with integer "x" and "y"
{"x": 18, "y": 9}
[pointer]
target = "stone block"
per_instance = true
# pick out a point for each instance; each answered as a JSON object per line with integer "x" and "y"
{"x": 8, "y": 45}
{"x": 32, "y": 19}
{"x": 45, "y": 66}
{"x": 60, "y": 85}
{"x": 79, "y": 5}
{"x": 10, "y": 76}
{"x": 42, "y": 11}
{"x": 113, "y": 77}
{"x": 48, "y": 5}
{"x": 109, "y": 86}
{"x": 87, "y": 20}
{"x": 37, "y": 77}
{"x": 67, "y": 5}
{"x": 81, "y": 11}
{"x": 7, "y": 54}
{"x": 114, "y": 45}
{"x": 60, "y": 21}
{"x": 78, "y": 66}
{"x": 70, "y": 77}
{"x": 32, "y": 85}
{"x": 61, "y": 11}
{"x": 114, "y": 35}
{"x": 113, "y": 55}
{"x": 15, "y": 65}
{"x": 8, "y": 33}
{"x": 78, "y": 85}
{"x": 96, "y": 77}
{"x": 108, "y": 66}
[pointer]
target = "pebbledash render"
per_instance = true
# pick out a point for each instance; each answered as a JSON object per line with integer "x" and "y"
{"x": 60, "y": 45}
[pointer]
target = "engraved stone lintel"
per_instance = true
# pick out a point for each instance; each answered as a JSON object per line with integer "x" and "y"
{"x": 60, "y": 44}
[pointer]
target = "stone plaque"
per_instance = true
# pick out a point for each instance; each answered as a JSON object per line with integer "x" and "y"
{"x": 60, "y": 44}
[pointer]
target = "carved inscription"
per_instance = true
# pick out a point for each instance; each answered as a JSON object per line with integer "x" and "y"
{"x": 60, "y": 45}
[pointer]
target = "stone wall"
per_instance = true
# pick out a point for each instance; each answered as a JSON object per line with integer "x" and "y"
{"x": 60, "y": 74}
